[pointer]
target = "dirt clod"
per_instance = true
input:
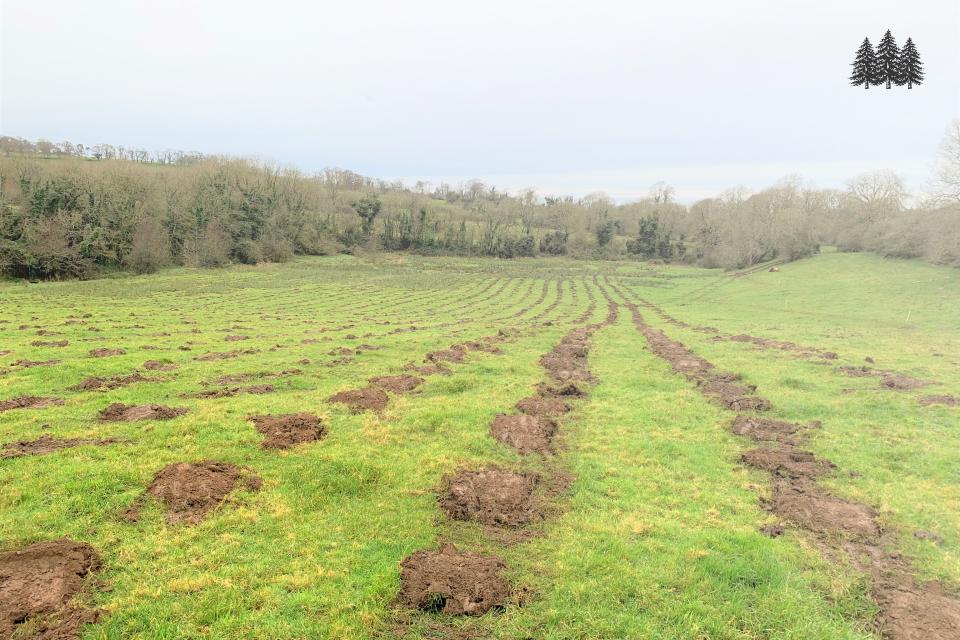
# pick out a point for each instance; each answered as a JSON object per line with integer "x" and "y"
{"x": 359, "y": 400}
{"x": 526, "y": 434}
{"x": 949, "y": 401}
{"x": 764, "y": 429}
{"x": 285, "y": 431}
{"x": 546, "y": 407}
{"x": 119, "y": 412}
{"x": 95, "y": 383}
{"x": 40, "y": 580}
{"x": 814, "y": 509}
{"x": 48, "y": 444}
{"x": 158, "y": 365}
{"x": 397, "y": 384}
{"x": 453, "y": 582}
{"x": 491, "y": 496}
{"x": 29, "y": 402}
{"x": 912, "y": 612}
{"x": 790, "y": 463}
{"x": 189, "y": 491}
{"x": 104, "y": 352}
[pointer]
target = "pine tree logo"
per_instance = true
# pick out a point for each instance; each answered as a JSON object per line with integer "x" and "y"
{"x": 888, "y": 65}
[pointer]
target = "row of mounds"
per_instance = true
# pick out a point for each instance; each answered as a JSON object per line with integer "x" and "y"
{"x": 288, "y": 430}
{"x": 908, "y": 610}
{"x": 119, "y": 412}
{"x": 37, "y": 585}
{"x": 724, "y": 388}
{"x": 29, "y": 402}
{"x": 48, "y": 444}
{"x": 455, "y": 582}
{"x": 190, "y": 491}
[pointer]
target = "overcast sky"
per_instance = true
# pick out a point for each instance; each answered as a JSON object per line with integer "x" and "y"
{"x": 568, "y": 97}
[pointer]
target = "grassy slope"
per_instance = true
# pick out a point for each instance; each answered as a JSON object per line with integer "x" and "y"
{"x": 894, "y": 454}
{"x": 659, "y": 534}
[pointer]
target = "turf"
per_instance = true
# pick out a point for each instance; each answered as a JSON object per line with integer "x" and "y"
{"x": 658, "y": 536}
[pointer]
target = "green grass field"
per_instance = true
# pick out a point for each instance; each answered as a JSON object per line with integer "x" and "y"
{"x": 657, "y": 537}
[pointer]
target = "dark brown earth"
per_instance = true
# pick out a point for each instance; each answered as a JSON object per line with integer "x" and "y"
{"x": 912, "y": 612}
{"x": 949, "y": 401}
{"x": 809, "y": 506}
{"x": 118, "y": 412}
{"x": 225, "y": 355}
{"x": 455, "y": 353}
{"x": 158, "y": 365}
{"x": 397, "y": 384}
{"x": 285, "y": 431}
{"x": 48, "y": 444}
{"x": 545, "y": 407}
{"x": 764, "y": 429}
{"x": 37, "y": 583}
{"x": 235, "y": 338}
{"x": 526, "y": 434}
{"x": 189, "y": 491}
{"x": 453, "y": 582}
{"x": 29, "y": 364}
{"x": 430, "y": 369}
{"x": 901, "y": 382}
{"x": 29, "y": 402}
{"x": 491, "y": 497}
{"x": 50, "y": 343}
{"x": 569, "y": 390}
{"x": 255, "y": 389}
{"x": 104, "y": 352}
{"x": 360, "y": 400}
{"x": 95, "y": 383}
{"x": 788, "y": 462}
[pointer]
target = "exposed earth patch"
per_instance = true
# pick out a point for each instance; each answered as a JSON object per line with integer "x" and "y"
{"x": 285, "y": 431}
{"x": 119, "y": 412}
{"x": 48, "y": 444}
{"x": 359, "y": 400}
{"x": 189, "y": 491}
{"x": 29, "y": 402}
{"x": 526, "y": 434}
{"x": 37, "y": 583}
{"x": 453, "y": 582}
{"x": 491, "y": 497}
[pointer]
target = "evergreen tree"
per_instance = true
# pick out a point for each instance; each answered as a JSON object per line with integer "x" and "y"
{"x": 888, "y": 60}
{"x": 910, "y": 71}
{"x": 864, "y": 66}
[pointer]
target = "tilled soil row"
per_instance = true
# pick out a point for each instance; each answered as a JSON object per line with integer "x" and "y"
{"x": 456, "y": 582}
{"x": 909, "y": 610}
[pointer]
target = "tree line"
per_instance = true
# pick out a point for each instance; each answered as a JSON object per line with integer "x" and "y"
{"x": 76, "y": 216}
{"x": 888, "y": 64}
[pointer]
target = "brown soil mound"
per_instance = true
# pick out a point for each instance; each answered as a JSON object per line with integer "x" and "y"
{"x": 791, "y": 463}
{"x": 732, "y": 395}
{"x": 50, "y": 343}
{"x": 94, "y": 383}
{"x": 362, "y": 399}
{"x": 104, "y": 352}
{"x": 565, "y": 368}
{"x": 283, "y": 432}
{"x": 901, "y": 382}
{"x": 431, "y": 370}
{"x": 453, "y": 354}
{"x": 236, "y": 338}
{"x": 397, "y": 384}
{"x": 232, "y": 391}
{"x": 910, "y": 612}
{"x": 225, "y": 355}
{"x": 491, "y": 496}
{"x": 48, "y": 444}
{"x": 814, "y": 509}
{"x": 40, "y": 580}
{"x": 29, "y": 364}
{"x": 569, "y": 390}
{"x": 157, "y": 365}
{"x": 765, "y": 429}
{"x": 949, "y": 401}
{"x": 858, "y": 372}
{"x": 29, "y": 402}
{"x": 543, "y": 407}
{"x": 453, "y": 582}
{"x": 191, "y": 491}
{"x": 118, "y": 412}
{"x": 526, "y": 434}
